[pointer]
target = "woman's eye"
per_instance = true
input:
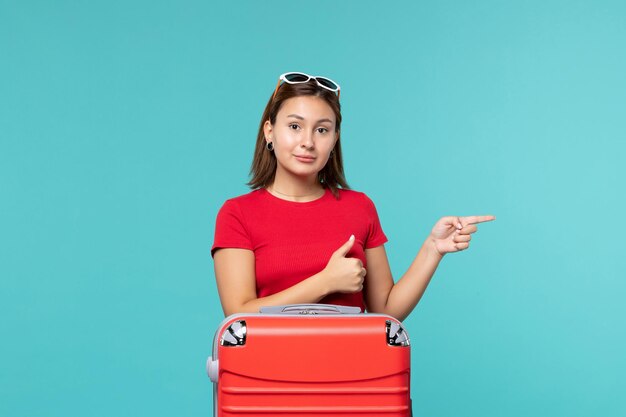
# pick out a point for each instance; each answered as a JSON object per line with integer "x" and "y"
{"x": 294, "y": 126}
{"x": 322, "y": 130}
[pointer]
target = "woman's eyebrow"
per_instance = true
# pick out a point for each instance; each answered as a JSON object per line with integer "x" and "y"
{"x": 296, "y": 116}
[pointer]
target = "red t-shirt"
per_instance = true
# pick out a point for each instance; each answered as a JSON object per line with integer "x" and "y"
{"x": 292, "y": 241}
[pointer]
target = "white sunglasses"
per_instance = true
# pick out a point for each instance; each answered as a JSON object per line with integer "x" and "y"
{"x": 300, "y": 77}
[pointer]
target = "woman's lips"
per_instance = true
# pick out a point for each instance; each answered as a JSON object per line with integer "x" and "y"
{"x": 305, "y": 159}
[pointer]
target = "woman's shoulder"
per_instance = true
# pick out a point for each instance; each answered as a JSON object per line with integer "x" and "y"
{"x": 353, "y": 195}
{"x": 243, "y": 200}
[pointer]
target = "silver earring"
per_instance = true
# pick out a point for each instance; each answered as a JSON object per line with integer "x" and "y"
{"x": 270, "y": 146}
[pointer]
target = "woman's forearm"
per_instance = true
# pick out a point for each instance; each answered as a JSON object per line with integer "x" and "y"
{"x": 310, "y": 290}
{"x": 407, "y": 292}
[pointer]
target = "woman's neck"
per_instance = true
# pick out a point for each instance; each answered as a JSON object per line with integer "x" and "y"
{"x": 296, "y": 188}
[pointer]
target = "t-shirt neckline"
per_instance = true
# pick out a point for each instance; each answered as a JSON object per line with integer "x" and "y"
{"x": 279, "y": 200}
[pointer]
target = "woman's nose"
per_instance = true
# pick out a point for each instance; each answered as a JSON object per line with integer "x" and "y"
{"x": 307, "y": 140}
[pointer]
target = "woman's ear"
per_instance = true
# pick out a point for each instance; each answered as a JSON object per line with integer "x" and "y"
{"x": 268, "y": 129}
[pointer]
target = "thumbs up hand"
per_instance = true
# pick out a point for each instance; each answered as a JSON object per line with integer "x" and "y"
{"x": 344, "y": 275}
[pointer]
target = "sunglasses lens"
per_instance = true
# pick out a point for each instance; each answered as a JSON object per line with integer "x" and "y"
{"x": 327, "y": 83}
{"x": 296, "y": 77}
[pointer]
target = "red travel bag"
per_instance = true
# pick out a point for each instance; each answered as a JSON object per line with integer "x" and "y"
{"x": 311, "y": 359}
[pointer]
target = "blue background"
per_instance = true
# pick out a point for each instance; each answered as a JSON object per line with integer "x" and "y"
{"x": 124, "y": 125}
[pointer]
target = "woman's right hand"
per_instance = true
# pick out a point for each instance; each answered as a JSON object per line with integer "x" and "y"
{"x": 344, "y": 275}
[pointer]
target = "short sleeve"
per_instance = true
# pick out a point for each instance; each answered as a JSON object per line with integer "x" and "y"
{"x": 375, "y": 235}
{"x": 230, "y": 229}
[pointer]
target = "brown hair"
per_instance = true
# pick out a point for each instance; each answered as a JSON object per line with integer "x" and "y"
{"x": 263, "y": 169}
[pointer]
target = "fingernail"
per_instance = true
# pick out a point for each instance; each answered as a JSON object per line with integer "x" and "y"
{"x": 351, "y": 237}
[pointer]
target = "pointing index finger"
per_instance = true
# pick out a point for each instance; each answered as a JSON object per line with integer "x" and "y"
{"x": 476, "y": 219}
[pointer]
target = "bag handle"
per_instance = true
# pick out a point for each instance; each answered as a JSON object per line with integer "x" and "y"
{"x": 310, "y": 309}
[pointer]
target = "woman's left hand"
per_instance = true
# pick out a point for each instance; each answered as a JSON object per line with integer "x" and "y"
{"x": 453, "y": 234}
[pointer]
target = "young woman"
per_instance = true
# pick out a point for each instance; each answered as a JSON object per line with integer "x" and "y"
{"x": 301, "y": 235}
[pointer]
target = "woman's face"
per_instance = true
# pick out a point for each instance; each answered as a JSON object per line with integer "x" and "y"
{"x": 303, "y": 135}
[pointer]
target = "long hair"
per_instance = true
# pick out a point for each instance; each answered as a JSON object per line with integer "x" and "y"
{"x": 263, "y": 169}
